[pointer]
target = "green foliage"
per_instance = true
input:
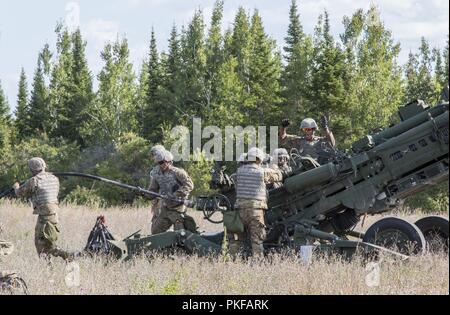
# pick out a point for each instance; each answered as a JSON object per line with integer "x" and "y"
{"x": 22, "y": 109}
{"x": 4, "y": 106}
{"x": 40, "y": 117}
{"x": 433, "y": 200}
{"x": 84, "y": 196}
{"x": 200, "y": 173}
{"x": 58, "y": 154}
{"x": 113, "y": 113}
{"x": 173, "y": 286}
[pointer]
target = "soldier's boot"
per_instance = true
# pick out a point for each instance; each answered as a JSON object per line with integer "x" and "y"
{"x": 258, "y": 250}
{"x": 235, "y": 245}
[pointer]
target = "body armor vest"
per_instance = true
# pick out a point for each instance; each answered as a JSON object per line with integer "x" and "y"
{"x": 250, "y": 183}
{"x": 46, "y": 190}
{"x": 167, "y": 181}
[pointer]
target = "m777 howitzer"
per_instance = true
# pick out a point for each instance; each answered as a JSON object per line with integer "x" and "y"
{"x": 327, "y": 202}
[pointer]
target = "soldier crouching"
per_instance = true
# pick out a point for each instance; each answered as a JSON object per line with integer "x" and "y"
{"x": 43, "y": 190}
{"x": 173, "y": 182}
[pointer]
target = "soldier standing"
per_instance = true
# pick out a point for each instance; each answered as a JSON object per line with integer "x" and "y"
{"x": 43, "y": 190}
{"x": 309, "y": 144}
{"x": 251, "y": 200}
{"x": 173, "y": 182}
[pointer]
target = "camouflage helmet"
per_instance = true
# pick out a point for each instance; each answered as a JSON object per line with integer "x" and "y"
{"x": 163, "y": 155}
{"x": 36, "y": 165}
{"x": 156, "y": 148}
{"x": 242, "y": 158}
{"x": 255, "y": 153}
{"x": 278, "y": 153}
{"x": 309, "y": 123}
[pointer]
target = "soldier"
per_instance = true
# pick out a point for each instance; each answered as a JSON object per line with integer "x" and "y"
{"x": 281, "y": 161}
{"x": 251, "y": 200}
{"x": 309, "y": 144}
{"x": 43, "y": 190}
{"x": 173, "y": 182}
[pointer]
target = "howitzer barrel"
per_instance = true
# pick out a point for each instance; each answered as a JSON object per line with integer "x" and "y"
{"x": 409, "y": 123}
{"x": 311, "y": 178}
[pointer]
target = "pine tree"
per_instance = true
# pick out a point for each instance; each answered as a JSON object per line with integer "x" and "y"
{"x": 152, "y": 113}
{"x": 61, "y": 85}
{"x": 193, "y": 55}
{"x": 4, "y": 106}
{"x": 214, "y": 52}
{"x": 445, "y": 56}
{"x": 296, "y": 77}
{"x": 171, "y": 94}
{"x": 411, "y": 78}
{"x": 40, "y": 119}
{"x": 240, "y": 47}
{"x": 71, "y": 86}
{"x": 141, "y": 98}
{"x": 5, "y": 132}
{"x": 81, "y": 92}
{"x": 22, "y": 109}
{"x": 265, "y": 69}
{"x": 427, "y": 90}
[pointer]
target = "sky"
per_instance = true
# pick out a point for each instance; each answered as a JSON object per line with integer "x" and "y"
{"x": 25, "y": 25}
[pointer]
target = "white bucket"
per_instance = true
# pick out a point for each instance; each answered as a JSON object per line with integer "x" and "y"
{"x": 306, "y": 253}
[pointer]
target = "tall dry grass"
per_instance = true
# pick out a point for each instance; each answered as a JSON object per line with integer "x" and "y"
{"x": 183, "y": 274}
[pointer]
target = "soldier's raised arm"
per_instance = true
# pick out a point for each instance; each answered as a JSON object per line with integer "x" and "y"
{"x": 328, "y": 133}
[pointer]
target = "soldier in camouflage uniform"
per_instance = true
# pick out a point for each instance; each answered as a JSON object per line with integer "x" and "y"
{"x": 309, "y": 144}
{"x": 281, "y": 162}
{"x": 173, "y": 182}
{"x": 251, "y": 200}
{"x": 43, "y": 190}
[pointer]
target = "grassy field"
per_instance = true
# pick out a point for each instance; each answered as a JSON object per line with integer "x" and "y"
{"x": 427, "y": 274}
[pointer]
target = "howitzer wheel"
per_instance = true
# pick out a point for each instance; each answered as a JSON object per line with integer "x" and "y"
{"x": 435, "y": 230}
{"x": 396, "y": 234}
{"x": 216, "y": 203}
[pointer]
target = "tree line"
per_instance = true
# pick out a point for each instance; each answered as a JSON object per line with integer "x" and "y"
{"x": 236, "y": 76}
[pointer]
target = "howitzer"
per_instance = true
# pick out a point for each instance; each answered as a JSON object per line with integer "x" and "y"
{"x": 325, "y": 203}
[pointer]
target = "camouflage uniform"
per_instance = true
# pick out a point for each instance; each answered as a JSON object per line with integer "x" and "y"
{"x": 43, "y": 189}
{"x": 285, "y": 171}
{"x": 155, "y": 208}
{"x": 176, "y": 183}
{"x": 251, "y": 201}
{"x": 305, "y": 147}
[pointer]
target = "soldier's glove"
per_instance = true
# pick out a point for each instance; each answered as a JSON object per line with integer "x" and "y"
{"x": 285, "y": 123}
{"x": 324, "y": 122}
